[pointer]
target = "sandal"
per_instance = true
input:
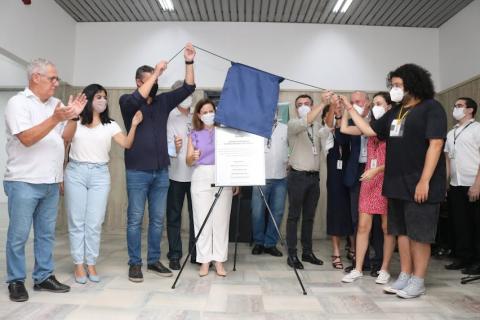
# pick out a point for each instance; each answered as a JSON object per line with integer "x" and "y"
{"x": 337, "y": 264}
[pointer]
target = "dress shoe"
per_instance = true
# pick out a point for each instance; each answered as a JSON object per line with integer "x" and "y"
{"x": 312, "y": 259}
{"x": 17, "y": 291}
{"x": 375, "y": 271}
{"x": 293, "y": 261}
{"x": 174, "y": 264}
{"x": 473, "y": 269}
{"x": 456, "y": 265}
{"x": 258, "y": 249}
{"x": 273, "y": 251}
{"x": 135, "y": 273}
{"x": 51, "y": 284}
{"x": 159, "y": 269}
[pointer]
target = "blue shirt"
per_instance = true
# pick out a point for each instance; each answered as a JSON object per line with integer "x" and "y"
{"x": 149, "y": 149}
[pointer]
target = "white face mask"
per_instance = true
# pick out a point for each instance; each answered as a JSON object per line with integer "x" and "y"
{"x": 303, "y": 110}
{"x": 396, "y": 94}
{"x": 378, "y": 112}
{"x": 99, "y": 105}
{"x": 185, "y": 104}
{"x": 459, "y": 113}
{"x": 358, "y": 109}
{"x": 208, "y": 118}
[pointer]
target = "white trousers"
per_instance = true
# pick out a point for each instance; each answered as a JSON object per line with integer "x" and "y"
{"x": 213, "y": 242}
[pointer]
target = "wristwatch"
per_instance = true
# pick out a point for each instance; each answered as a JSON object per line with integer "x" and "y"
{"x": 189, "y": 62}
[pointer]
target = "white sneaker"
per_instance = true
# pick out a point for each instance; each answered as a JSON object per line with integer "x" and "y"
{"x": 383, "y": 277}
{"x": 399, "y": 284}
{"x": 414, "y": 289}
{"x": 352, "y": 276}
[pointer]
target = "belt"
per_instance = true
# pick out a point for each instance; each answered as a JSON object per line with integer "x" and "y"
{"x": 307, "y": 173}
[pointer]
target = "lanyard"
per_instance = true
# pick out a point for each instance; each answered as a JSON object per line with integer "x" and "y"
{"x": 455, "y": 135}
{"x": 400, "y": 116}
{"x": 310, "y": 135}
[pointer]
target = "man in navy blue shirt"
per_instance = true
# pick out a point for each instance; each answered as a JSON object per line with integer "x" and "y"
{"x": 147, "y": 161}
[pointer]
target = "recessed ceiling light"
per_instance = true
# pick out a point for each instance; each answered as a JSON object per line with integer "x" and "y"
{"x": 344, "y": 4}
{"x": 167, "y": 5}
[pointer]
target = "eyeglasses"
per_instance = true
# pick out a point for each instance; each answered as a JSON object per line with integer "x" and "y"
{"x": 458, "y": 106}
{"x": 51, "y": 79}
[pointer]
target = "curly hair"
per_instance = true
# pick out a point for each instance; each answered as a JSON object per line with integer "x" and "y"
{"x": 416, "y": 80}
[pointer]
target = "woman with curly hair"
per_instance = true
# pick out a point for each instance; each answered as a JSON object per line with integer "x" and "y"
{"x": 415, "y": 171}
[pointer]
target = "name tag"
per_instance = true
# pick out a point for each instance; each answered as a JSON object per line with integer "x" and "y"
{"x": 339, "y": 164}
{"x": 373, "y": 164}
{"x": 314, "y": 150}
{"x": 451, "y": 154}
{"x": 396, "y": 129}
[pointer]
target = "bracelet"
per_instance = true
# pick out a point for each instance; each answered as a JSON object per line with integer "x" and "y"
{"x": 189, "y": 62}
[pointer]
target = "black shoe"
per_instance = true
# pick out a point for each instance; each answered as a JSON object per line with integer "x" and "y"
{"x": 473, "y": 269}
{"x": 135, "y": 273}
{"x": 375, "y": 271}
{"x": 258, "y": 249}
{"x": 312, "y": 259}
{"x": 456, "y": 265}
{"x": 349, "y": 268}
{"x": 174, "y": 264}
{"x": 293, "y": 261}
{"x": 273, "y": 251}
{"x": 159, "y": 269}
{"x": 193, "y": 260}
{"x": 17, "y": 291}
{"x": 51, "y": 284}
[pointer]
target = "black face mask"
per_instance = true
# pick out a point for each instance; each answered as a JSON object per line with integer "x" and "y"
{"x": 153, "y": 91}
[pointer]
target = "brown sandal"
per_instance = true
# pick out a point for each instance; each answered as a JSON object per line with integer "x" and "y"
{"x": 337, "y": 264}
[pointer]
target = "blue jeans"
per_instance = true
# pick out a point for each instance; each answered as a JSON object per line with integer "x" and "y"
{"x": 31, "y": 203}
{"x": 275, "y": 192}
{"x": 87, "y": 186}
{"x": 143, "y": 185}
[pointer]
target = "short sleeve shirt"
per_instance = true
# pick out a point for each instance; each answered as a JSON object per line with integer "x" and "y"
{"x": 43, "y": 161}
{"x": 406, "y": 155}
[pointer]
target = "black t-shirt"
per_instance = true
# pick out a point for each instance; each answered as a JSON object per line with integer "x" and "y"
{"x": 405, "y": 157}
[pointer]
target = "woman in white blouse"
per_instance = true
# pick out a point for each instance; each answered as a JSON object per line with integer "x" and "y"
{"x": 87, "y": 179}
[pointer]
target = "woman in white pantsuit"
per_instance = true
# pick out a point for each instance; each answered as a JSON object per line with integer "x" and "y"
{"x": 213, "y": 242}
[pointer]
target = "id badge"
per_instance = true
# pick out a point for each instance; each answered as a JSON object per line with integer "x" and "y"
{"x": 339, "y": 164}
{"x": 314, "y": 150}
{"x": 373, "y": 164}
{"x": 451, "y": 154}
{"x": 396, "y": 129}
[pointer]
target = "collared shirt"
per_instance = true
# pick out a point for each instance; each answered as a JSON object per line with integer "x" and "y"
{"x": 43, "y": 161}
{"x": 463, "y": 149}
{"x": 179, "y": 125}
{"x": 304, "y": 141}
{"x": 149, "y": 149}
{"x": 276, "y": 153}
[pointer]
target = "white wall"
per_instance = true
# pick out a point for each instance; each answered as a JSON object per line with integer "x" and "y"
{"x": 329, "y": 56}
{"x": 12, "y": 74}
{"x": 42, "y": 29}
{"x": 460, "y": 46}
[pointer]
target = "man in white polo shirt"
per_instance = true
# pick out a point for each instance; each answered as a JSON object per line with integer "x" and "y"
{"x": 463, "y": 167}
{"x": 179, "y": 125}
{"x": 35, "y": 151}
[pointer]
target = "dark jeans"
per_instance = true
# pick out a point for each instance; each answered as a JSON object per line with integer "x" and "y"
{"x": 376, "y": 241}
{"x": 466, "y": 223}
{"x": 303, "y": 193}
{"x": 175, "y": 198}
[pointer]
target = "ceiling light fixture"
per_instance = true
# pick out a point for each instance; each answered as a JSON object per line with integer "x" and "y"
{"x": 338, "y": 5}
{"x": 167, "y": 5}
{"x": 346, "y": 5}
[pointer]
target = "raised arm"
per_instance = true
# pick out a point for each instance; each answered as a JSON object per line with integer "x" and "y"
{"x": 361, "y": 123}
{"x": 346, "y": 129}
{"x": 126, "y": 141}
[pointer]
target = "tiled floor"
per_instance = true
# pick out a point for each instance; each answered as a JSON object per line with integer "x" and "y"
{"x": 263, "y": 287}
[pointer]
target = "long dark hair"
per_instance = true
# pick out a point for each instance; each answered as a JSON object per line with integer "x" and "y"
{"x": 87, "y": 114}
{"x": 385, "y": 96}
